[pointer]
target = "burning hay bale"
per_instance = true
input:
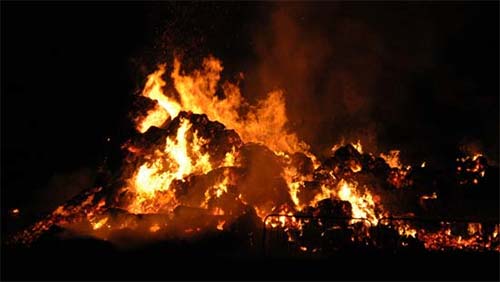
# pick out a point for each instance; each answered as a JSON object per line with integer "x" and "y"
{"x": 303, "y": 163}
{"x": 200, "y": 164}
{"x": 262, "y": 185}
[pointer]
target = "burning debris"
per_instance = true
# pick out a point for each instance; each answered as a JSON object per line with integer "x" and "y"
{"x": 207, "y": 161}
{"x": 471, "y": 169}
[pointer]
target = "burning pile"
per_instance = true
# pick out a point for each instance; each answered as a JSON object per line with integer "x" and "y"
{"x": 204, "y": 159}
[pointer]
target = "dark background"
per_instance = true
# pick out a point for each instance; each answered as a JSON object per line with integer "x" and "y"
{"x": 422, "y": 77}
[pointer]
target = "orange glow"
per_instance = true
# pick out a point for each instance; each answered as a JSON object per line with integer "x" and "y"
{"x": 229, "y": 159}
{"x": 216, "y": 191}
{"x": 358, "y": 146}
{"x": 405, "y": 229}
{"x": 154, "y": 228}
{"x": 470, "y": 169}
{"x": 186, "y": 169}
{"x": 445, "y": 239}
{"x": 433, "y": 196}
{"x": 99, "y": 223}
{"x": 392, "y": 159}
{"x": 363, "y": 205}
{"x": 220, "y": 225}
{"x": 157, "y": 175}
{"x": 264, "y": 123}
{"x": 165, "y": 107}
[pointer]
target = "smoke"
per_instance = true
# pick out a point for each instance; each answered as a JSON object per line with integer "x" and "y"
{"x": 374, "y": 73}
{"x": 327, "y": 66}
{"x": 416, "y": 77}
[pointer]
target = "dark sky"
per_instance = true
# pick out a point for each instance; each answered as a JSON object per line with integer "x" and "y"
{"x": 422, "y": 77}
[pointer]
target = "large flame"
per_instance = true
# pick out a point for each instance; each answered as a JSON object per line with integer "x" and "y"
{"x": 179, "y": 159}
{"x": 363, "y": 205}
{"x": 263, "y": 123}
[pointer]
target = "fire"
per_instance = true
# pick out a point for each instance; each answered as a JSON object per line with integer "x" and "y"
{"x": 405, "y": 229}
{"x": 362, "y": 205}
{"x": 165, "y": 108}
{"x": 218, "y": 211}
{"x": 220, "y": 224}
{"x": 100, "y": 223}
{"x": 154, "y": 228}
{"x": 264, "y": 123}
{"x": 474, "y": 228}
{"x": 175, "y": 162}
{"x": 294, "y": 181}
{"x": 444, "y": 238}
{"x": 229, "y": 159}
{"x": 356, "y": 167}
{"x": 433, "y": 196}
{"x": 471, "y": 168}
{"x": 206, "y": 156}
{"x": 217, "y": 191}
{"x": 392, "y": 159}
{"x": 357, "y": 145}
{"x": 324, "y": 193}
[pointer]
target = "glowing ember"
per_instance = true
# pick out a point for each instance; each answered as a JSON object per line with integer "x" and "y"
{"x": 392, "y": 159}
{"x": 99, "y": 223}
{"x": 471, "y": 169}
{"x": 154, "y": 228}
{"x": 405, "y": 229}
{"x": 220, "y": 225}
{"x": 433, "y": 196}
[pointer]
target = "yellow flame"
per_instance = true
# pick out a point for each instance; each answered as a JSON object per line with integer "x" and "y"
{"x": 216, "y": 191}
{"x": 356, "y": 167}
{"x": 264, "y": 123}
{"x": 362, "y": 205}
{"x": 229, "y": 158}
{"x": 392, "y": 159}
{"x": 220, "y": 225}
{"x": 474, "y": 228}
{"x": 405, "y": 229}
{"x": 165, "y": 107}
{"x": 175, "y": 162}
{"x": 99, "y": 223}
{"x": 476, "y": 156}
{"x": 294, "y": 181}
{"x": 358, "y": 146}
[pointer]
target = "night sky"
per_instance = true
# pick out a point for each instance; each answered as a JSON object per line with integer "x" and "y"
{"x": 422, "y": 77}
